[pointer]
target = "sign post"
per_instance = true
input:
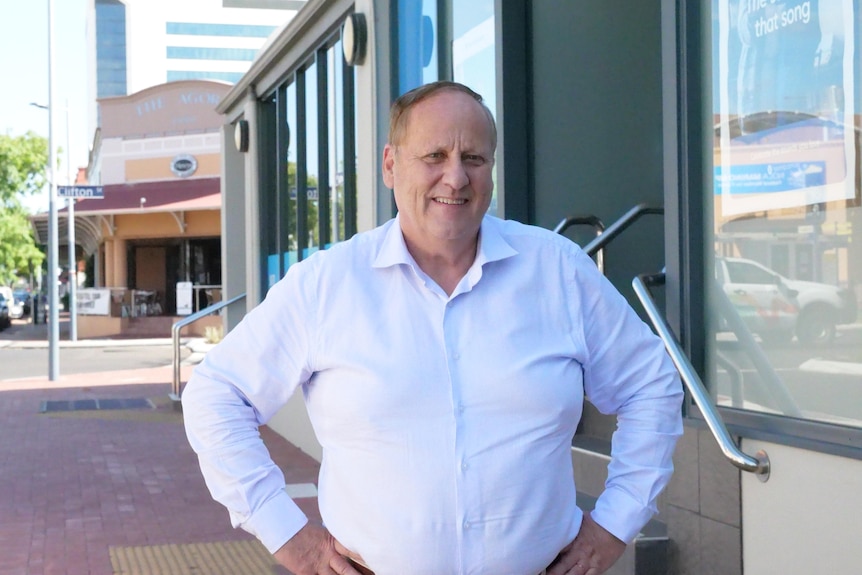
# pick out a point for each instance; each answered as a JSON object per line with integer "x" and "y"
{"x": 91, "y": 192}
{"x": 71, "y": 193}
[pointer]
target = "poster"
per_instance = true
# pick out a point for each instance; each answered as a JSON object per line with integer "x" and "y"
{"x": 93, "y": 301}
{"x": 785, "y": 101}
{"x": 184, "y": 298}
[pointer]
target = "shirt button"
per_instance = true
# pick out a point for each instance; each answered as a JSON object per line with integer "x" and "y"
{"x": 466, "y": 525}
{"x": 450, "y": 303}
{"x": 465, "y": 465}
{"x": 456, "y": 356}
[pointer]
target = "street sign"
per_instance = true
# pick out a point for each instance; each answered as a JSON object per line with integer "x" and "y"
{"x": 92, "y": 192}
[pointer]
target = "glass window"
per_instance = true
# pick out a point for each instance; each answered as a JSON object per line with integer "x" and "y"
{"x": 311, "y": 161}
{"x": 417, "y": 43}
{"x": 336, "y": 141}
{"x": 196, "y": 53}
{"x": 110, "y": 48}
{"x": 230, "y": 30}
{"x": 232, "y": 77}
{"x": 290, "y": 217}
{"x": 474, "y": 56}
{"x": 321, "y": 138}
{"x": 786, "y": 335}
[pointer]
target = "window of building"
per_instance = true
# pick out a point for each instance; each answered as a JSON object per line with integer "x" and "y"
{"x": 448, "y": 40}
{"x": 418, "y": 39}
{"x": 784, "y": 209}
{"x": 205, "y": 53}
{"x": 110, "y": 48}
{"x": 230, "y": 30}
{"x": 313, "y": 202}
{"x": 232, "y": 77}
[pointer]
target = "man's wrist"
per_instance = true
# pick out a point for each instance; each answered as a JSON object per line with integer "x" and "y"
{"x": 276, "y": 521}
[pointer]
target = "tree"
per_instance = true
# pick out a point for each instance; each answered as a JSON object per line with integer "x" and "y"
{"x": 22, "y": 173}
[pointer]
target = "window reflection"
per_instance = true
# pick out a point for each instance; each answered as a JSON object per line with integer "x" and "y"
{"x": 312, "y": 241}
{"x": 291, "y": 222}
{"x": 785, "y": 204}
{"x": 474, "y": 56}
{"x": 336, "y": 142}
{"x": 418, "y": 36}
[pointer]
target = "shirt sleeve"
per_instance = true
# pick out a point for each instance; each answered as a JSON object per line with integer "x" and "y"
{"x": 628, "y": 373}
{"x": 238, "y": 387}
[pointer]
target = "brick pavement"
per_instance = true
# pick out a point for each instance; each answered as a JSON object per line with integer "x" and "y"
{"x": 74, "y": 485}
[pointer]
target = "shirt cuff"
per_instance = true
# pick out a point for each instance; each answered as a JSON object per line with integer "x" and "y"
{"x": 276, "y": 521}
{"x": 621, "y": 515}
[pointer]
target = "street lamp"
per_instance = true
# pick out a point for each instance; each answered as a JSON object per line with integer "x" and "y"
{"x": 70, "y": 204}
{"x": 53, "y": 304}
{"x": 54, "y": 339}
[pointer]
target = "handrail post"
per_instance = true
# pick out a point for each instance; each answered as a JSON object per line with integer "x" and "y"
{"x": 177, "y": 327}
{"x": 757, "y": 464}
{"x": 596, "y": 223}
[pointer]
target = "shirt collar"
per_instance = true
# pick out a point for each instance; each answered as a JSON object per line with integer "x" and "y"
{"x": 492, "y": 245}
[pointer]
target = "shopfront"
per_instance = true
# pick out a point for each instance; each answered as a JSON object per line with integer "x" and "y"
{"x": 737, "y": 124}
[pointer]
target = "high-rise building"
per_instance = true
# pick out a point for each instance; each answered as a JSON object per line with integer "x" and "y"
{"x": 137, "y": 44}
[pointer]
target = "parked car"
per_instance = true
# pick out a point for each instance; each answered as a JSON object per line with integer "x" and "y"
{"x": 21, "y": 303}
{"x": 777, "y": 308}
{"x": 5, "y": 320}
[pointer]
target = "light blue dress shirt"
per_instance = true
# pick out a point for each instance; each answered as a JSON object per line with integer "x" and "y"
{"x": 446, "y": 421}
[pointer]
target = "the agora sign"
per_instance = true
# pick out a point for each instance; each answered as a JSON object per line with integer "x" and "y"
{"x": 93, "y": 192}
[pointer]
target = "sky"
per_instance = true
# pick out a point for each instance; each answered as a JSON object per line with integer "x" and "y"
{"x": 24, "y": 76}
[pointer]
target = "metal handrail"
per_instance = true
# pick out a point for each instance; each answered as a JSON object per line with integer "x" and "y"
{"x": 175, "y": 335}
{"x": 620, "y": 226}
{"x": 593, "y": 221}
{"x": 757, "y": 464}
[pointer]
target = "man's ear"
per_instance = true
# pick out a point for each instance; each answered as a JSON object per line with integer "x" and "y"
{"x": 389, "y": 166}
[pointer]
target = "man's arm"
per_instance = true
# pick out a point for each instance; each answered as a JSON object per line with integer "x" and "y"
{"x": 238, "y": 387}
{"x": 628, "y": 373}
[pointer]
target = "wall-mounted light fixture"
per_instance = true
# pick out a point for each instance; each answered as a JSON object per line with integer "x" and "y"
{"x": 240, "y": 135}
{"x": 354, "y": 38}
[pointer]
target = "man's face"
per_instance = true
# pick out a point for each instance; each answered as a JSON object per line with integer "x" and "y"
{"x": 441, "y": 171}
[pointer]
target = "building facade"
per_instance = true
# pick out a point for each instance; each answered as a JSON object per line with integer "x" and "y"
{"x": 728, "y": 133}
{"x": 136, "y": 44}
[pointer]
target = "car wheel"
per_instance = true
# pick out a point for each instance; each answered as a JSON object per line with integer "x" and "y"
{"x": 815, "y": 326}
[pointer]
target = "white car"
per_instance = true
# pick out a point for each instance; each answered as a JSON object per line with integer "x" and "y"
{"x": 776, "y": 307}
{"x": 15, "y": 309}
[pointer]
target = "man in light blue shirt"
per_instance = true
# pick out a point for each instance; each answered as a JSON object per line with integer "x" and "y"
{"x": 444, "y": 358}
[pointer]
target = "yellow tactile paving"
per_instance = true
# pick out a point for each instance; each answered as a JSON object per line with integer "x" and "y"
{"x": 226, "y": 558}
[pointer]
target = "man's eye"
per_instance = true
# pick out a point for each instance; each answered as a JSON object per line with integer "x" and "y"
{"x": 435, "y": 156}
{"x": 474, "y": 159}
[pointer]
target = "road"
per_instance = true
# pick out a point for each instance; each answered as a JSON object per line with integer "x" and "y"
{"x": 16, "y": 363}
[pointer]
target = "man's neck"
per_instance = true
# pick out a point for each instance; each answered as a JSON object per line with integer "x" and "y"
{"x": 446, "y": 264}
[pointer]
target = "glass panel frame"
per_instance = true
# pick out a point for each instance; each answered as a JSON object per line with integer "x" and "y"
{"x": 783, "y": 204}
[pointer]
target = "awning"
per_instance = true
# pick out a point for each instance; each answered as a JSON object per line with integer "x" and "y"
{"x": 175, "y": 197}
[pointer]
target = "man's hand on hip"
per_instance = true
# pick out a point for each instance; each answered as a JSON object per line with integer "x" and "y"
{"x": 314, "y": 551}
{"x": 592, "y": 552}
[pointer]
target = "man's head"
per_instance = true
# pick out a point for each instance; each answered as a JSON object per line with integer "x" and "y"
{"x": 399, "y": 112}
{"x": 439, "y": 162}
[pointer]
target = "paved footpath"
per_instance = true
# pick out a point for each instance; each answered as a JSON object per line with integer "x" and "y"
{"x": 117, "y": 490}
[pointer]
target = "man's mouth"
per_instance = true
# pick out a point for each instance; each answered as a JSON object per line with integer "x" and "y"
{"x": 451, "y": 201}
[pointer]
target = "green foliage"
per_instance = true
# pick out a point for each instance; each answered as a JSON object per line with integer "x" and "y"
{"x": 22, "y": 172}
{"x": 18, "y": 251}
{"x": 22, "y": 166}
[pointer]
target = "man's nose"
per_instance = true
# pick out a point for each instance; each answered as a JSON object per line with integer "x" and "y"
{"x": 455, "y": 174}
